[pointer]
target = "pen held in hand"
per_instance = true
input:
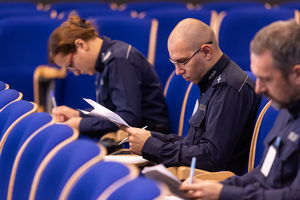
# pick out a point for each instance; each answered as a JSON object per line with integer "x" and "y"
{"x": 193, "y": 164}
{"x": 53, "y": 99}
{"x": 127, "y": 137}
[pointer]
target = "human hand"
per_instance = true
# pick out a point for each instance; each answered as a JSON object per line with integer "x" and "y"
{"x": 204, "y": 190}
{"x": 64, "y": 113}
{"x": 73, "y": 122}
{"x": 137, "y": 138}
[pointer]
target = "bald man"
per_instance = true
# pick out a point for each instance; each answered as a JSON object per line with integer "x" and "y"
{"x": 220, "y": 130}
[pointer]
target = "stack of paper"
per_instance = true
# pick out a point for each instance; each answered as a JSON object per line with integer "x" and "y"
{"x": 104, "y": 113}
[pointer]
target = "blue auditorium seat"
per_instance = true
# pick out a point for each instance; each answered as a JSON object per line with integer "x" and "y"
{"x": 89, "y": 184}
{"x": 239, "y": 26}
{"x": 174, "y": 92}
{"x": 145, "y": 189}
{"x": 53, "y": 174}
{"x": 8, "y": 96}
{"x": 11, "y": 115}
{"x": 22, "y": 132}
{"x": 40, "y": 148}
{"x": 227, "y": 5}
{"x": 23, "y": 46}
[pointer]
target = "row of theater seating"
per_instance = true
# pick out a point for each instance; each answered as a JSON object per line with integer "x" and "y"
{"x": 34, "y": 149}
{"x": 40, "y": 159}
{"x": 23, "y": 44}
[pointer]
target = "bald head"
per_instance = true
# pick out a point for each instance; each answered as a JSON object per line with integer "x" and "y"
{"x": 193, "y": 33}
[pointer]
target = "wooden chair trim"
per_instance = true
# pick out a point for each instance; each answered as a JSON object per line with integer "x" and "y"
{"x": 45, "y": 71}
{"x": 181, "y": 119}
{"x": 183, "y": 172}
{"x": 5, "y": 135}
{"x": 46, "y": 160}
{"x": 18, "y": 157}
{"x": 152, "y": 41}
{"x": 255, "y": 135}
{"x": 215, "y": 176}
{"x": 214, "y": 21}
{"x": 17, "y": 99}
{"x": 168, "y": 83}
{"x": 80, "y": 172}
{"x": 297, "y": 16}
{"x": 134, "y": 172}
{"x": 219, "y": 20}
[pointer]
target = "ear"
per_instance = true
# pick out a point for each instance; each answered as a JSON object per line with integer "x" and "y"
{"x": 207, "y": 51}
{"x": 81, "y": 45}
{"x": 296, "y": 71}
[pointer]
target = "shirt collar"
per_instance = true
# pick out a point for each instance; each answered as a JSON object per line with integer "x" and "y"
{"x": 209, "y": 77}
{"x": 295, "y": 109}
{"x": 105, "y": 46}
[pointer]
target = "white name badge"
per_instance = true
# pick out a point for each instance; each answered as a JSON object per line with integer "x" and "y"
{"x": 268, "y": 162}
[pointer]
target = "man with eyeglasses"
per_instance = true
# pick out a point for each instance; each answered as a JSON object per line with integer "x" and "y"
{"x": 220, "y": 129}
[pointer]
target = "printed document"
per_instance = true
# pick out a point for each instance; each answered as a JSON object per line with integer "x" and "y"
{"x": 104, "y": 113}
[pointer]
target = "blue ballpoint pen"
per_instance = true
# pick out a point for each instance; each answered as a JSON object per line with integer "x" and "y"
{"x": 193, "y": 164}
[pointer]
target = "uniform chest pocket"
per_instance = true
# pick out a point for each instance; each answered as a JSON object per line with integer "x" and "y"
{"x": 198, "y": 117}
{"x": 288, "y": 149}
{"x": 284, "y": 163}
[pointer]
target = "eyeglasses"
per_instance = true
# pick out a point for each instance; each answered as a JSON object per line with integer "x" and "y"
{"x": 70, "y": 66}
{"x": 182, "y": 64}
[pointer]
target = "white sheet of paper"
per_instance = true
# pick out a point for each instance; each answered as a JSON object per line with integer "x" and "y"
{"x": 104, "y": 113}
{"x": 125, "y": 159}
{"x": 268, "y": 162}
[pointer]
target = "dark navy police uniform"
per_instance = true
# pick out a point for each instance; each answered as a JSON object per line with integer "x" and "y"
{"x": 128, "y": 85}
{"x": 282, "y": 180}
{"x": 220, "y": 131}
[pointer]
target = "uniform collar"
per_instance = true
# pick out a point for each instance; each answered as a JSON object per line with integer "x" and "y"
{"x": 294, "y": 110}
{"x": 105, "y": 46}
{"x": 209, "y": 77}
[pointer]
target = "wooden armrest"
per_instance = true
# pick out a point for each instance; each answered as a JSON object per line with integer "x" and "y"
{"x": 215, "y": 176}
{"x": 184, "y": 172}
{"x": 117, "y": 136}
{"x": 47, "y": 72}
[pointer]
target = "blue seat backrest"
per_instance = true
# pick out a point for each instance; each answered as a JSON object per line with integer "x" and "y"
{"x": 13, "y": 112}
{"x": 98, "y": 178}
{"x": 8, "y": 96}
{"x": 174, "y": 93}
{"x": 265, "y": 127}
{"x": 2, "y": 86}
{"x": 67, "y": 6}
{"x": 23, "y": 46}
{"x": 239, "y": 26}
{"x": 192, "y": 95}
{"x": 33, "y": 154}
{"x": 18, "y": 135}
{"x": 291, "y": 5}
{"x": 146, "y": 189}
{"x": 167, "y": 20}
{"x": 146, "y": 6}
{"x": 60, "y": 168}
{"x": 227, "y": 5}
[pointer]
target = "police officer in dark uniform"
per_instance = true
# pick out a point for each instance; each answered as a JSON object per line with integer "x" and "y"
{"x": 275, "y": 62}
{"x": 220, "y": 130}
{"x": 127, "y": 83}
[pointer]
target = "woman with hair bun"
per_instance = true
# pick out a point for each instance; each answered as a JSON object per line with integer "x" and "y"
{"x": 126, "y": 82}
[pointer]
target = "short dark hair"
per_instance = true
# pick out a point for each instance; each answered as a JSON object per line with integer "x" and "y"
{"x": 282, "y": 39}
